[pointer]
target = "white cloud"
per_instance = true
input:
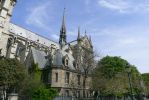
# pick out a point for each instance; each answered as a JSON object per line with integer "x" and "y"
{"x": 125, "y": 6}
{"x": 55, "y": 36}
{"x": 73, "y": 33}
{"x": 38, "y": 15}
{"x": 127, "y": 43}
{"x": 118, "y": 5}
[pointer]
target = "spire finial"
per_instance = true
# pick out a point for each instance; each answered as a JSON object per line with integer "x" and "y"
{"x": 63, "y": 22}
{"x": 64, "y": 13}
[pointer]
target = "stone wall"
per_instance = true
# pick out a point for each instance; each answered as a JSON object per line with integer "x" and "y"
{"x": 72, "y": 86}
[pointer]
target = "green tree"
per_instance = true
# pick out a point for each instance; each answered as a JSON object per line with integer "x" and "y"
{"x": 145, "y": 78}
{"x": 12, "y": 72}
{"x": 43, "y": 93}
{"x": 34, "y": 88}
{"x": 110, "y": 77}
{"x": 29, "y": 84}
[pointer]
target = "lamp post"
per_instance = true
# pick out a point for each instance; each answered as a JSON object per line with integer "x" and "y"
{"x": 129, "y": 78}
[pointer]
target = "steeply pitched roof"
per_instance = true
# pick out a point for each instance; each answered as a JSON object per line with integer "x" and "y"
{"x": 58, "y": 57}
{"x": 40, "y": 57}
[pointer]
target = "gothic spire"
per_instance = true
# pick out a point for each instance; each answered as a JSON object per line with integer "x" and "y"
{"x": 62, "y": 39}
{"x": 63, "y": 27}
{"x": 78, "y": 33}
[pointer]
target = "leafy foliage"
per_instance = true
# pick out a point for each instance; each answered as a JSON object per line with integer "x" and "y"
{"x": 36, "y": 90}
{"x": 29, "y": 84}
{"x": 11, "y": 72}
{"x": 145, "y": 78}
{"x": 13, "y": 75}
{"x": 43, "y": 93}
{"x": 110, "y": 66}
{"x": 33, "y": 87}
{"x": 111, "y": 77}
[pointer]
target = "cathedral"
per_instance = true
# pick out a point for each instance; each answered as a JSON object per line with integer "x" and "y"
{"x": 68, "y": 63}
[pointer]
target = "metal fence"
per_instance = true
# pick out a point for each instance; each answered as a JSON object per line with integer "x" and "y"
{"x": 102, "y": 98}
{"x": 127, "y": 97}
{"x": 71, "y": 98}
{"x": 24, "y": 97}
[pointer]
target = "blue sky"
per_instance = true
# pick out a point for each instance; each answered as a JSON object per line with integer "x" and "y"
{"x": 117, "y": 27}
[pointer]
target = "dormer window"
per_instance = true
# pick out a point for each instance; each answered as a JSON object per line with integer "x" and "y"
{"x": 65, "y": 61}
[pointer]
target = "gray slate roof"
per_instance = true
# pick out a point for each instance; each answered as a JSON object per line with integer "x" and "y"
{"x": 57, "y": 58}
{"x": 40, "y": 58}
{"x": 59, "y": 54}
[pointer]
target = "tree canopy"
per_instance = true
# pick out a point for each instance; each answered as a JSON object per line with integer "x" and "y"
{"x": 145, "y": 78}
{"x": 34, "y": 88}
{"x": 110, "y": 77}
{"x": 11, "y": 72}
{"x": 43, "y": 93}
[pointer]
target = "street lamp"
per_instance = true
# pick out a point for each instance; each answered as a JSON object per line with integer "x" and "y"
{"x": 129, "y": 78}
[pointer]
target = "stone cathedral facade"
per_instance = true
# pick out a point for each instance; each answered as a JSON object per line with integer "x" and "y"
{"x": 66, "y": 61}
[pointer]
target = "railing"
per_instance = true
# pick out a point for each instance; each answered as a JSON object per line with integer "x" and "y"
{"x": 127, "y": 97}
